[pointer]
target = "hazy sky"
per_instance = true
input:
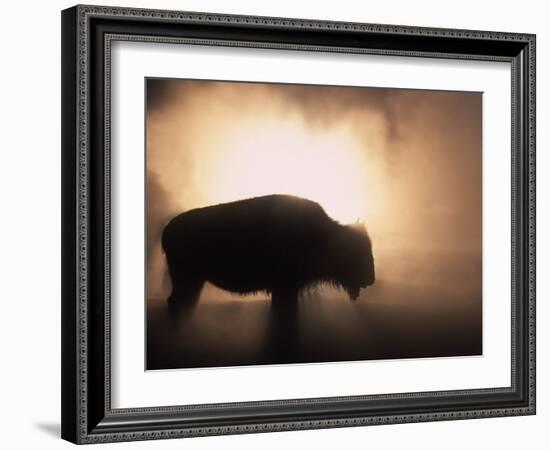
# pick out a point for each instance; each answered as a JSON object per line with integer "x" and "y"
{"x": 406, "y": 162}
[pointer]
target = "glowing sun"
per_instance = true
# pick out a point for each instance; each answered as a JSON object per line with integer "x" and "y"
{"x": 286, "y": 158}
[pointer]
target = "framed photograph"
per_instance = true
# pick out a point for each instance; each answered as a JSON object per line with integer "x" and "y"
{"x": 277, "y": 224}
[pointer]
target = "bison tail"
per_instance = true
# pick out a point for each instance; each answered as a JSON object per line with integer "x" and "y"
{"x": 166, "y": 282}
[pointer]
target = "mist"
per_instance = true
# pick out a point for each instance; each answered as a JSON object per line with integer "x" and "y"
{"x": 406, "y": 162}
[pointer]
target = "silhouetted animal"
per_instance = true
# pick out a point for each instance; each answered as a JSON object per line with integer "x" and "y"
{"x": 279, "y": 244}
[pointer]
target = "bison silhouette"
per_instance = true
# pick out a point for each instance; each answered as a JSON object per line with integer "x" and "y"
{"x": 277, "y": 244}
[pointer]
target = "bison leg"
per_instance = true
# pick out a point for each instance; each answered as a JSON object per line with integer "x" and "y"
{"x": 284, "y": 330}
{"x": 186, "y": 289}
{"x": 284, "y": 299}
{"x": 185, "y": 297}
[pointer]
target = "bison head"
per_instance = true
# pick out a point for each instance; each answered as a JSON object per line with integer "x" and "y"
{"x": 354, "y": 259}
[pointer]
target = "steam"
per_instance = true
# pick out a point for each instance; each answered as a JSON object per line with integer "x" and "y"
{"x": 419, "y": 153}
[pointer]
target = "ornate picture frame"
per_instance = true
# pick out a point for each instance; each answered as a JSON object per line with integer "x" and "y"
{"x": 88, "y": 33}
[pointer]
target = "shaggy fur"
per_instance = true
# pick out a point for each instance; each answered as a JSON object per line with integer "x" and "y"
{"x": 278, "y": 244}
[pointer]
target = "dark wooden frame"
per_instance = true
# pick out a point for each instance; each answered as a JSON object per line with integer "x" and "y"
{"x": 87, "y": 32}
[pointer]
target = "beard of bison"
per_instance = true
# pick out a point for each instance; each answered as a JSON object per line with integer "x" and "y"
{"x": 279, "y": 244}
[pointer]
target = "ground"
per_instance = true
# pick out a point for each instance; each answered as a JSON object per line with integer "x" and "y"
{"x": 395, "y": 318}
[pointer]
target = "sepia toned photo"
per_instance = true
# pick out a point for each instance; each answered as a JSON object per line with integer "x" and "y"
{"x": 290, "y": 223}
